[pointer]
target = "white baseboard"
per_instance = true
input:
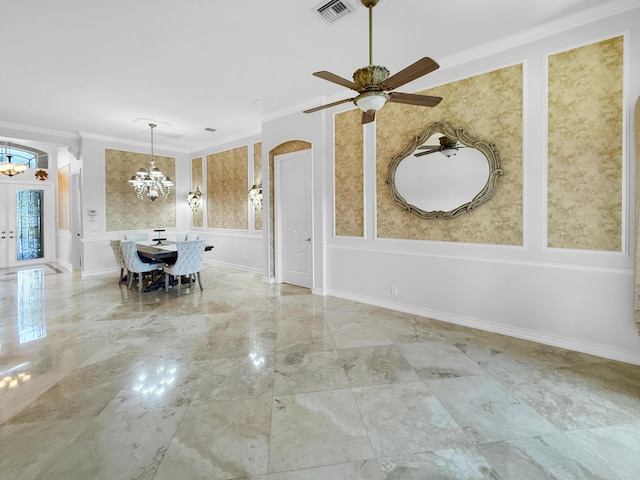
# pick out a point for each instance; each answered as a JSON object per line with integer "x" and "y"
{"x": 524, "y": 334}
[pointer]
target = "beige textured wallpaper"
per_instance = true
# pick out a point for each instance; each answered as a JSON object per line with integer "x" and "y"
{"x": 227, "y": 178}
{"x": 64, "y": 205}
{"x": 349, "y": 174}
{"x": 585, "y": 147}
{"x": 197, "y": 217}
{"x": 257, "y": 179}
{"x": 124, "y": 211}
{"x": 489, "y": 108}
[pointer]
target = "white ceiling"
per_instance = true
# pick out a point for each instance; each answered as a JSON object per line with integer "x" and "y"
{"x": 96, "y": 66}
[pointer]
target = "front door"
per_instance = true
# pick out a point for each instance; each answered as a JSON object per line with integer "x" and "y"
{"x": 293, "y": 211}
{"x": 26, "y": 224}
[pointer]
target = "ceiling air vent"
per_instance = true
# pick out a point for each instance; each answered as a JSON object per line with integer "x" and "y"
{"x": 332, "y": 10}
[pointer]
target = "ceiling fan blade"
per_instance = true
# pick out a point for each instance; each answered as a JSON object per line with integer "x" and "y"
{"x": 322, "y": 107}
{"x": 368, "y": 117}
{"x": 418, "y": 69}
{"x": 413, "y": 99}
{"x": 332, "y": 77}
{"x": 427, "y": 152}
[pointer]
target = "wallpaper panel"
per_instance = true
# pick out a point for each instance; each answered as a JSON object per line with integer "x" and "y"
{"x": 197, "y": 217}
{"x": 123, "y": 209}
{"x": 349, "y": 174}
{"x": 585, "y": 147}
{"x": 257, "y": 180}
{"x": 64, "y": 204}
{"x": 227, "y": 179}
{"x": 489, "y": 108}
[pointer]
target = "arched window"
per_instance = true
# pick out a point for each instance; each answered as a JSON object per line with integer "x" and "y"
{"x": 21, "y": 154}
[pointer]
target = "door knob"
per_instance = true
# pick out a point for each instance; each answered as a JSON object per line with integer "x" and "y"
{"x": 308, "y": 240}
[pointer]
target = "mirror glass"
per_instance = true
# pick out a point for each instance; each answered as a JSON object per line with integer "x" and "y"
{"x": 439, "y": 182}
{"x": 443, "y": 173}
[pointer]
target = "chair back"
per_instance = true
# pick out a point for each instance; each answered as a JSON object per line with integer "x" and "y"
{"x": 136, "y": 236}
{"x": 131, "y": 258}
{"x": 117, "y": 252}
{"x": 190, "y": 257}
{"x": 187, "y": 237}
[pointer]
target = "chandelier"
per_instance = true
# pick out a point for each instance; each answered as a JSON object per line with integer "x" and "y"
{"x": 10, "y": 169}
{"x": 152, "y": 183}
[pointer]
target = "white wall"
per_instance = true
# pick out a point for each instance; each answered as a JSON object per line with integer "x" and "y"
{"x": 582, "y": 300}
{"x": 96, "y": 252}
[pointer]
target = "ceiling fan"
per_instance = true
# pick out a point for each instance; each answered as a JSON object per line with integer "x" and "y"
{"x": 373, "y": 82}
{"x": 448, "y": 146}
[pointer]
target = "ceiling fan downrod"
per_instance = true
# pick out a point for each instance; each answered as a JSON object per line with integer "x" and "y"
{"x": 370, "y": 4}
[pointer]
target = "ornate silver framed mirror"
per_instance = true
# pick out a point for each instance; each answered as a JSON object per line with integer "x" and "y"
{"x": 443, "y": 173}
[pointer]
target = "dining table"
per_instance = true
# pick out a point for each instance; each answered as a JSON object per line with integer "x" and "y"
{"x": 165, "y": 251}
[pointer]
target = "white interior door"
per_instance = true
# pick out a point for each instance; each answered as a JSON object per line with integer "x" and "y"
{"x": 293, "y": 212}
{"x": 76, "y": 222}
{"x": 26, "y": 224}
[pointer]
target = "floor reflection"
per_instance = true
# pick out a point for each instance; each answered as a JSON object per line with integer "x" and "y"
{"x": 30, "y": 288}
{"x": 155, "y": 380}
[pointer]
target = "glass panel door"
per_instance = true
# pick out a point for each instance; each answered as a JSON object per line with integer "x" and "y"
{"x": 26, "y": 224}
{"x": 29, "y": 215}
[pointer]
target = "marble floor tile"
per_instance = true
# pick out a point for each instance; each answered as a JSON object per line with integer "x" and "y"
{"x": 452, "y": 463}
{"x": 608, "y": 453}
{"x": 122, "y": 445}
{"x": 361, "y": 470}
{"x": 436, "y": 359}
{"x": 235, "y": 378}
{"x": 355, "y": 332}
{"x": 29, "y": 450}
{"x": 257, "y": 381}
{"x": 561, "y": 397}
{"x": 222, "y": 440}
{"x": 406, "y": 418}
{"x": 487, "y": 411}
{"x": 312, "y": 333}
{"x": 311, "y": 371}
{"x": 377, "y": 365}
{"x": 315, "y": 429}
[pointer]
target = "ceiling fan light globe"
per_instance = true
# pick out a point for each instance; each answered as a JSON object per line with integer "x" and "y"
{"x": 449, "y": 152}
{"x": 371, "y": 101}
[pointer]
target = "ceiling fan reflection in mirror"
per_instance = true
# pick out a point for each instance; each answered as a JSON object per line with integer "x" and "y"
{"x": 373, "y": 82}
{"x": 448, "y": 147}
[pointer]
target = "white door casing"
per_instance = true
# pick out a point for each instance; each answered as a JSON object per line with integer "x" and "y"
{"x": 8, "y": 224}
{"x": 294, "y": 218}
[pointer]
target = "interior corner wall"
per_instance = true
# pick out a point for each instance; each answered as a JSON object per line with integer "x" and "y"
{"x": 580, "y": 299}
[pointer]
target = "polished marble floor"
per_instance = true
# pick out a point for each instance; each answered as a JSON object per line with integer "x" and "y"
{"x": 269, "y": 382}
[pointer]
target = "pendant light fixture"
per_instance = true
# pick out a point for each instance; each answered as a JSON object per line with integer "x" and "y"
{"x": 152, "y": 183}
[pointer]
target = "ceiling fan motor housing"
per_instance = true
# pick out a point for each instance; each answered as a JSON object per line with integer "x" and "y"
{"x": 370, "y": 76}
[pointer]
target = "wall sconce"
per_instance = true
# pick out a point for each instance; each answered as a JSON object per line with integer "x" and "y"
{"x": 195, "y": 199}
{"x": 255, "y": 195}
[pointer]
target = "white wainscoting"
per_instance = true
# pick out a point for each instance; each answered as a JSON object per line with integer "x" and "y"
{"x": 587, "y": 309}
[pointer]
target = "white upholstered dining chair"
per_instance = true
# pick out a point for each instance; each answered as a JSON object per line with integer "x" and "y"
{"x": 117, "y": 252}
{"x": 190, "y": 262}
{"x": 135, "y": 265}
